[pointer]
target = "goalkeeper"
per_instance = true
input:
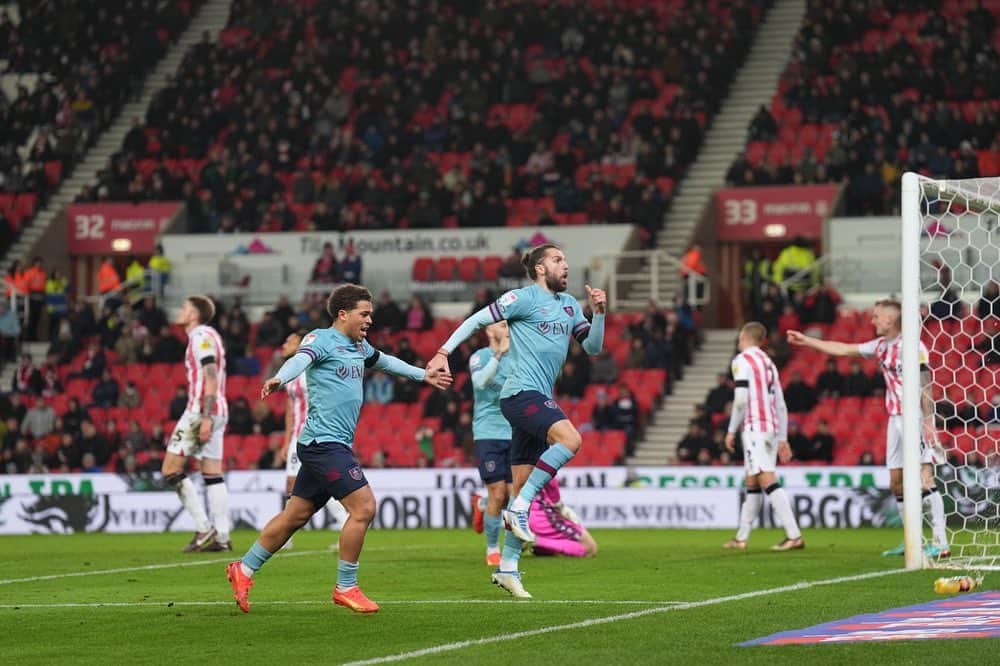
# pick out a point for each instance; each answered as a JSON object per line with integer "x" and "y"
{"x": 557, "y": 528}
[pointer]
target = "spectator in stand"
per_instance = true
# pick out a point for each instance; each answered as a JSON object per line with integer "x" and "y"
{"x": 602, "y": 417}
{"x": 179, "y": 403}
{"x": 27, "y": 379}
{"x": 418, "y": 315}
{"x": 512, "y": 267}
{"x": 799, "y": 396}
{"x": 40, "y": 419}
{"x": 264, "y": 421}
{"x": 856, "y": 383}
{"x": 636, "y": 354}
{"x": 830, "y": 383}
{"x": 166, "y": 348}
{"x": 626, "y": 415}
{"x": 604, "y": 369}
{"x": 135, "y": 438}
{"x": 93, "y": 442}
{"x": 56, "y": 301}
{"x": 387, "y": 315}
{"x": 989, "y": 303}
{"x": 110, "y": 325}
{"x": 379, "y": 388}
{"x": 798, "y": 442}
{"x": 720, "y": 394}
{"x": 692, "y": 265}
{"x": 789, "y": 320}
{"x": 763, "y": 126}
{"x": 159, "y": 267}
{"x": 240, "y": 416}
{"x": 820, "y": 305}
{"x": 778, "y": 349}
{"x": 756, "y": 276}
{"x": 108, "y": 281}
{"x": 821, "y": 444}
{"x": 73, "y": 416}
{"x": 268, "y": 332}
{"x": 326, "y": 269}
{"x": 150, "y": 315}
{"x": 571, "y": 383}
{"x": 113, "y": 435}
{"x": 105, "y": 393}
{"x": 694, "y": 441}
{"x": 949, "y": 305}
{"x": 35, "y": 278}
{"x": 51, "y": 386}
{"x": 793, "y": 262}
{"x": 350, "y": 266}
{"x": 10, "y": 331}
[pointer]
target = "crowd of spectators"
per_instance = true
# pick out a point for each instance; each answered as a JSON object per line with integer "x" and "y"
{"x": 78, "y": 63}
{"x": 874, "y": 89}
{"x": 340, "y": 115}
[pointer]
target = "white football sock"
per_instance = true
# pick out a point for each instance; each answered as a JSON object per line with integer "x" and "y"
{"x": 936, "y": 504}
{"x": 192, "y": 502}
{"x": 783, "y": 509}
{"x": 218, "y": 504}
{"x": 748, "y": 514}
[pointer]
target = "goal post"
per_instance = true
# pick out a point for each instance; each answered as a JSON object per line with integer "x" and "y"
{"x": 950, "y": 255}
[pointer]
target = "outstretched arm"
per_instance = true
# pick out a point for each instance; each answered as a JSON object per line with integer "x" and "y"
{"x": 289, "y": 370}
{"x": 437, "y": 377}
{"x": 484, "y": 317}
{"x": 831, "y": 347}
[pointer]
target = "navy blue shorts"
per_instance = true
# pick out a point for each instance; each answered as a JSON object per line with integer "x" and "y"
{"x": 530, "y": 415}
{"x": 494, "y": 460}
{"x": 329, "y": 469}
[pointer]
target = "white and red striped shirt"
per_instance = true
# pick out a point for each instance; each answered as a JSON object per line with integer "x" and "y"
{"x": 765, "y": 409}
{"x": 889, "y": 354}
{"x": 204, "y": 342}
{"x": 298, "y": 403}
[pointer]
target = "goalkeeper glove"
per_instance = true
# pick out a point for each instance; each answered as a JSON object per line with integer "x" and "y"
{"x": 568, "y": 513}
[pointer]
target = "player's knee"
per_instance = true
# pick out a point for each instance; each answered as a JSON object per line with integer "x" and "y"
{"x": 364, "y": 511}
{"x": 572, "y": 441}
{"x": 497, "y": 495}
{"x": 174, "y": 480}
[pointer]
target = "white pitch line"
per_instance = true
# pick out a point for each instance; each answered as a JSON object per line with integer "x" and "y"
{"x": 458, "y": 645}
{"x": 192, "y": 563}
{"x": 316, "y": 602}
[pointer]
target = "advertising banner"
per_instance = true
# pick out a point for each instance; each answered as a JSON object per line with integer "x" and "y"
{"x": 283, "y": 262}
{"x": 838, "y": 507}
{"x": 117, "y": 228}
{"x": 773, "y": 213}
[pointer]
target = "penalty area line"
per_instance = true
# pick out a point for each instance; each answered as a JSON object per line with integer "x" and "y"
{"x": 459, "y": 645}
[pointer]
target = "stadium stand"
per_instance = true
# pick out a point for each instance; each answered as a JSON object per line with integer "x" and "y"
{"x": 68, "y": 68}
{"x": 331, "y": 115}
{"x": 878, "y": 88}
{"x": 134, "y": 350}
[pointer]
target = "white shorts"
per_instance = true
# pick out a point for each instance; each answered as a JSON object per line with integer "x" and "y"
{"x": 760, "y": 452}
{"x": 894, "y": 445}
{"x": 184, "y": 440}
{"x": 292, "y": 462}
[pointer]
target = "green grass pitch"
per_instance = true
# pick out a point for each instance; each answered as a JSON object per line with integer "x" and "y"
{"x": 435, "y": 591}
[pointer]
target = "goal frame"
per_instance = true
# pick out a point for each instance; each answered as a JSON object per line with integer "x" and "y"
{"x": 914, "y": 186}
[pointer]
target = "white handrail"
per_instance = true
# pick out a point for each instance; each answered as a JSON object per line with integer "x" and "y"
{"x": 698, "y": 291}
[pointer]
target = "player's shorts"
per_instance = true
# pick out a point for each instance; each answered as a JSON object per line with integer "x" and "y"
{"x": 894, "y": 445}
{"x": 292, "y": 462}
{"x": 555, "y": 535}
{"x": 760, "y": 452}
{"x": 530, "y": 415}
{"x": 328, "y": 469}
{"x": 184, "y": 440}
{"x": 494, "y": 460}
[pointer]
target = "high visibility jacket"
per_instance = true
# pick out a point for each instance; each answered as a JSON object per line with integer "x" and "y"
{"x": 56, "y": 296}
{"x": 107, "y": 278}
{"x": 135, "y": 273}
{"x": 159, "y": 263}
{"x": 35, "y": 277}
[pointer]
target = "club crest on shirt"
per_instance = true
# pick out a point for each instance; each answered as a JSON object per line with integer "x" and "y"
{"x": 355, "y": 473}
{"x": 568, "y": 309}
{"x": 507, "y": 299}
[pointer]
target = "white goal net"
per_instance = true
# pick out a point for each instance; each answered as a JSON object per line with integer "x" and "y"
{"x": 956, "y": 286}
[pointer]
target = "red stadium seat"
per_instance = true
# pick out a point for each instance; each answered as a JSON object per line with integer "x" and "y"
{"x": 468, "y": 269}
{"x": 423, "y": 269}
{"x": 444, "y": 269}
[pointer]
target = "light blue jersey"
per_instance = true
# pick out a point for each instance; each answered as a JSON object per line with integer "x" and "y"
{"x": 488, "y": 376}
{"x": 335, "y": 369}
{"x": 540, "y": 324}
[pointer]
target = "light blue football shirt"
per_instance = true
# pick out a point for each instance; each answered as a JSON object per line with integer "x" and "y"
{"x": 540, "y": 324}
{"x": 488, "y": 421}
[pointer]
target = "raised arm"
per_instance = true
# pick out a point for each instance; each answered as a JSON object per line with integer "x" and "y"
{"x": 591, "y": 336}
{"x": 289, "y": 370}
{"x": 831, "y": 347}
{"x": 436, "y": 377}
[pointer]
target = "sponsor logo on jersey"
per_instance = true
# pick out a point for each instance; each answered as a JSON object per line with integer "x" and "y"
{"x": 544, "y": 327}
{"x": 507, "y": 299}
{"x": 206, "y": 344}
{"x": 350, "y": 371}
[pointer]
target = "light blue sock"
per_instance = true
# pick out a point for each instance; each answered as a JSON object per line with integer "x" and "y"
{"x": 551, "y": 462}
{"x": 256, "y": 557}
{"x": 511, "y": 553}
{"x": 347, "y": 574}
{"x": 492, "y": 525}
